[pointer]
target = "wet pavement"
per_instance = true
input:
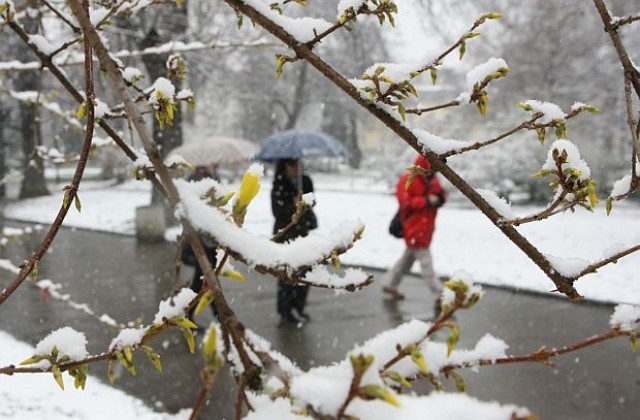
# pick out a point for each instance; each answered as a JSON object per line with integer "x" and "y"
{"x": 115, "y": 275}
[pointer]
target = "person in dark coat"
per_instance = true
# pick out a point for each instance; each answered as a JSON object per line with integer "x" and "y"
{"x": 188, "y": 256}
{"x": 289, "y": 183}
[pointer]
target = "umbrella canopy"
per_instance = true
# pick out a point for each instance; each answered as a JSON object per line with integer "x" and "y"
{"x": 299, "y": 144}
{"x": 215, "y": 150}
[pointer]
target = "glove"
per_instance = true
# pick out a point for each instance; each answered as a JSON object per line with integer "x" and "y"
{"x": 433, "y": 200}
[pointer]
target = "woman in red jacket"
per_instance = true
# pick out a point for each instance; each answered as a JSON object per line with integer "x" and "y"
{"x": 419, "y": 203}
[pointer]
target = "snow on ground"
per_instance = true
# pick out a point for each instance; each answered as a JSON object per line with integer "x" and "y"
{"x": 37, "y": 396}
{"x": 464, "y": 238}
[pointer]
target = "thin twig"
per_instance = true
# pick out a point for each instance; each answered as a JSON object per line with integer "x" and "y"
{"x": 612, "y": 259}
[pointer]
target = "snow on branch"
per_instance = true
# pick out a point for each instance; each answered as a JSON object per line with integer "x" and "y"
{"x": 626, "y": 318}
{"x": 33, "y": 97}
{"x": 257, "y": 250}
{"x": 437, "y": 144}
{"x": 500, "y": 204}
{"x": 328, "y": 390}
{"x": 303, "y": 29}
{"x": 166, "y": 48}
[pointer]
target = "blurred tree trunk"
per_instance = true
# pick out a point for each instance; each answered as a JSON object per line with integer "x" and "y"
{"x": 4, "y": 116}
{"x": 33, "y": 182}
{"x": 299, "y": 97}
{"x": 169, "y": 25}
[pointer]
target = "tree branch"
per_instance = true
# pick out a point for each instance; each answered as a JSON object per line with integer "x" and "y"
{"x": 563, "y": 284}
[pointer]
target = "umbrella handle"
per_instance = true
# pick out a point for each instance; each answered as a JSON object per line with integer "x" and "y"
{"x": 300, "y": 189}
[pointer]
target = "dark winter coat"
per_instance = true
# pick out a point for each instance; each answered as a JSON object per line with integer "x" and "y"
{"x": 283, "y": 205}
{"x": 417, "y": 214}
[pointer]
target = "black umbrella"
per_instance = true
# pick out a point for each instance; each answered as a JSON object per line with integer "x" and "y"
{"x": 299, "y": 144}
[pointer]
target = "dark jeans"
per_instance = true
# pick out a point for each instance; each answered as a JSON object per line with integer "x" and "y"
{"x": 291, "y": 297}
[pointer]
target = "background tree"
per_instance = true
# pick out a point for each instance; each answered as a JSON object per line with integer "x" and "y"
{"x": 33, "y": 181}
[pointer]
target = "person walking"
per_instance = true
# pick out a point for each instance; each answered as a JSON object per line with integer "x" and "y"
{"x": 419, "y": 203}
{"x": 289, "y": 183}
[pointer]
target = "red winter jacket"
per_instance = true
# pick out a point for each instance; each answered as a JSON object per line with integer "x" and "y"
{"x": 417, "y": 214}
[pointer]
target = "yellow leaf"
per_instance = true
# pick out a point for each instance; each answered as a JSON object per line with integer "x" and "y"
{"x": 233, "y": 274}
{"x": 184, "y": 323}
{"x": 205, "y": 301}
{"x": 249, "y": 188}
{"x": 153, "y": 357}
{"x": 396, "y": 377}
{"x": 126, "y": 363}
{"x": 452, "y": 339}
{"x": 210, "y": 345}
{"x": 32, "y": 360}
{"x": 380, "y": 393}
{"x": 82, "y": 111}
{"x": 188, "y": 336}
{"x": 57, "y": 375}
{"x": 418, "y": 359}
{"x": 111, "y": 371}
{"x": 609, "y": 204}
{"x": 128, "y": 353}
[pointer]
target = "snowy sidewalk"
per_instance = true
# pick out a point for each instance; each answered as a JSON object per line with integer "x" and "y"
{"x": 464, "y": 240}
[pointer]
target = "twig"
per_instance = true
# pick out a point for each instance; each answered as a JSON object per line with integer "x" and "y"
{"x": 420, "y": 111}
{"x": 543, "y": 355}
{"x": 529, "y": 124}
{"x": 628, "y": 66}
{"x": 612, "y": 259}
{"x": 540, "y": 215}
{"x": 627, "y": 20}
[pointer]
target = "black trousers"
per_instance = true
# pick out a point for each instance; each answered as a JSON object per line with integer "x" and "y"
{"x": 291, "y": 297}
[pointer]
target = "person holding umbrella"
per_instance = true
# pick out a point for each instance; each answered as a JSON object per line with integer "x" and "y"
{"x": 286, "y": 149}
{"x": 289, "y": 183}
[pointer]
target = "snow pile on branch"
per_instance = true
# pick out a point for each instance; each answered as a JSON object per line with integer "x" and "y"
{"x": 67, "y": 341}
{"x": 326, "y": 389}
{"x": 550, "y": 111}
{"x": 499, "y": 204}
{"x": 258, "y": 250}
{"x": 625, "y": 317}
{"x": 437, "y": 144}
{"x": 566, "y": 266}
{"x": 572, "y": 161}
{"x": 479, "y": 73}
{"x": 174, "y": 306}
{"x": 302, "y": 29}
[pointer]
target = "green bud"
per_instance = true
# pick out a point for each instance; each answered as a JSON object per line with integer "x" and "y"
{"x": 462, "y": 49}
{"x": 493, "y": 15}
{"x": 402, "y": 111}
{"x": 379, "y": 393}
{"x": 459, "y": 381}
{"x": 434, "y": 75}
{"x": 452, "y": 339}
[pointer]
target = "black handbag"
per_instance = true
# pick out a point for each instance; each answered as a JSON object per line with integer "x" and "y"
{"x": 396, "y": 227}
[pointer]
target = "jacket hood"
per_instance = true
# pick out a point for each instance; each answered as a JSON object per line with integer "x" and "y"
{"x": 422, "y": 162}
